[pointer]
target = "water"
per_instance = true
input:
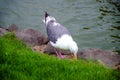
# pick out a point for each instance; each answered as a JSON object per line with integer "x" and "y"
{"x": 92, "y": 23}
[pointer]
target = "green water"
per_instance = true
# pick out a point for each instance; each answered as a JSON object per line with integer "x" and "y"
{"x": 92, "y": 23}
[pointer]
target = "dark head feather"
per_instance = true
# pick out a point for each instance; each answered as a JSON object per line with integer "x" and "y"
{"x": 46, "y": 14}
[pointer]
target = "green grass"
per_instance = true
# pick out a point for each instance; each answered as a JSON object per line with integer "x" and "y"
{"x": 18, "y": 62}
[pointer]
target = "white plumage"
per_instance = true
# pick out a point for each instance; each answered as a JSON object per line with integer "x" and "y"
{"x": 66, "y": 42}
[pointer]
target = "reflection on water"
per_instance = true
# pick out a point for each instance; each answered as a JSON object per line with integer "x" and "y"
{"x": 92, "y": 23}
{"x": 107, "y": 9}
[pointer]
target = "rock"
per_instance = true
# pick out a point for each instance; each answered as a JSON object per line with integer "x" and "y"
{"x": 31, "y": 37}
{"x": 40, "y": 48}
{"x": 108, "y": 58}
{"x": 3, "y": 31}
{"x": 49, "y": 49}
{"x": 117, "y": 67}
{"x": 80, "y": 54}
{"x": 12, "y": 28}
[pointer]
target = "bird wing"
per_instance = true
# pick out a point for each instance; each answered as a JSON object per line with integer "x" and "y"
{"x": 56, "y": 31}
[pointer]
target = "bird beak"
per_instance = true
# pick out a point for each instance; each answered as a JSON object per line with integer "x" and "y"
{"x": 74, "y": 56}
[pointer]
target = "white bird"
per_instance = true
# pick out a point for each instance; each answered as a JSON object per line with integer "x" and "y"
{"x": 59, "y": 37}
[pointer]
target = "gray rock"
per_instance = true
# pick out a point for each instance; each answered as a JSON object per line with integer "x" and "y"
{"x": 31, "y": 37}
{"x": 12, "y": 28}
{"x": 3, "y": 31}
{"x": 108, "y": 58}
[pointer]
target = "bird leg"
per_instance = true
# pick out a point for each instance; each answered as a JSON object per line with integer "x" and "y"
{"x": 59, "y": 54}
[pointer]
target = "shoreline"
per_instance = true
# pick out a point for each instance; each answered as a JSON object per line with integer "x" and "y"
{"x": 40, "y": 43}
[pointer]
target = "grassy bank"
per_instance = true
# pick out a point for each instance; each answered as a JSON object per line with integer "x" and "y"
{"x": 18, "y": 62}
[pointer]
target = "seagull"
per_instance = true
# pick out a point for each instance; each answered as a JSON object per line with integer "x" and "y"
{"x": 59, "y": 37}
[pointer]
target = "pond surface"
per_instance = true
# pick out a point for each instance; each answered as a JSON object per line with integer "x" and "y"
{"x": 92, "y": 23}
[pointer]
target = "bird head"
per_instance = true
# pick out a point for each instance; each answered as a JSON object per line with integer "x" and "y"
{"x": 48, "y": 18}
{"x": 74, "y": 49}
